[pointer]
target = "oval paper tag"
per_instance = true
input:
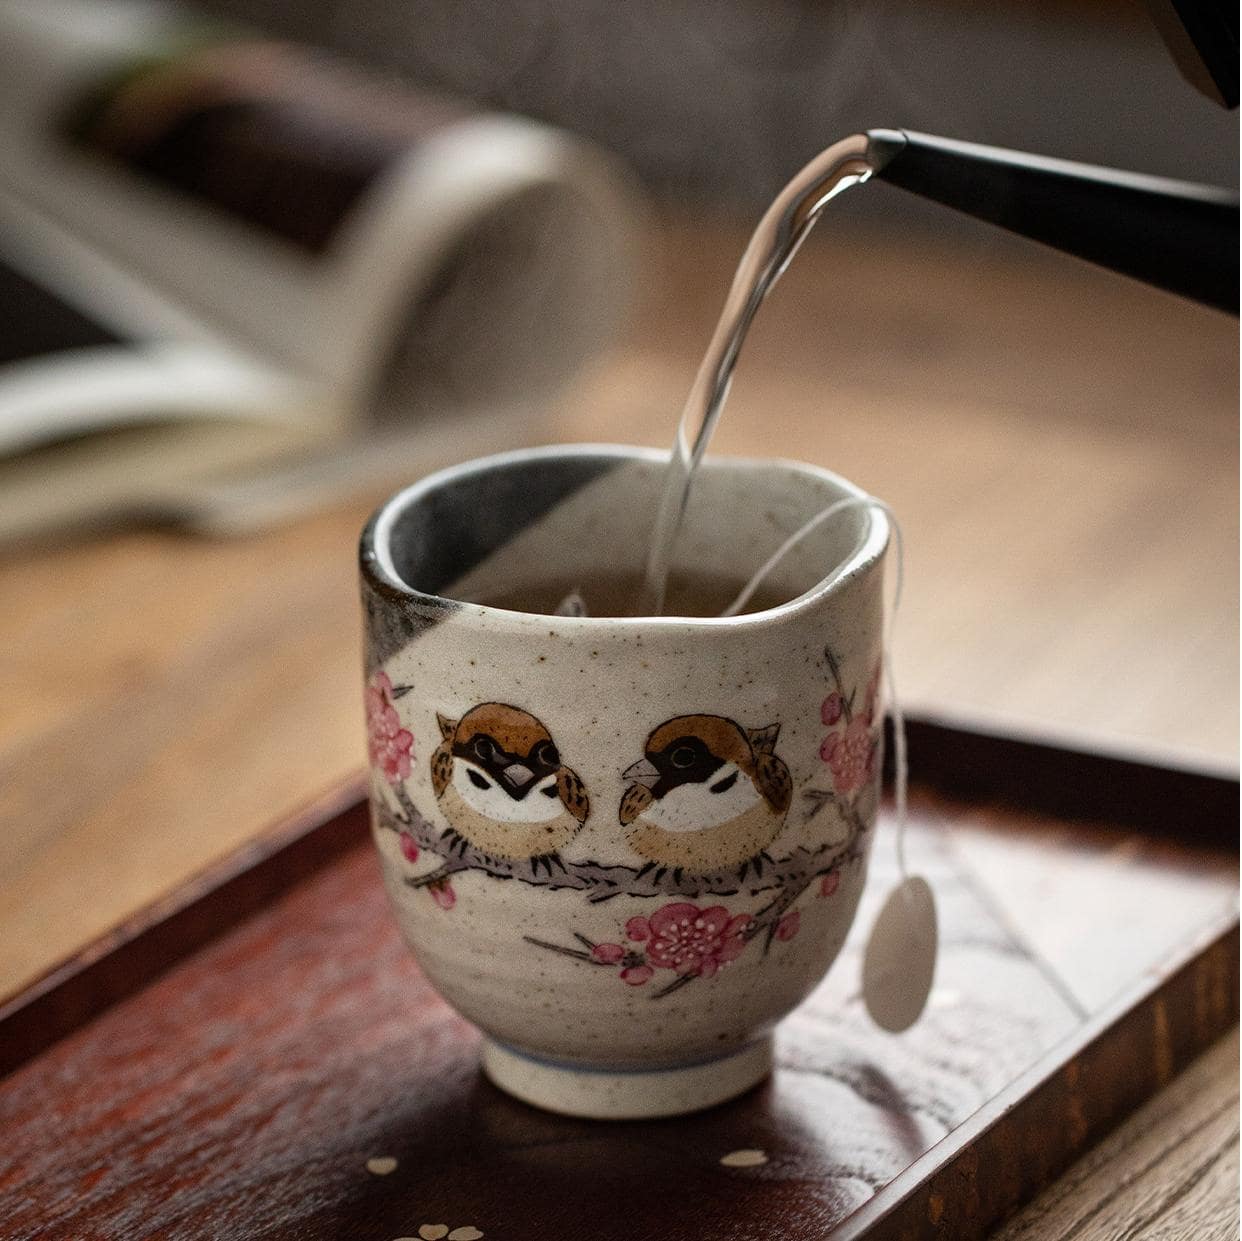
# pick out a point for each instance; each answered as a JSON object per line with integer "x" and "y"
{"x": 900, "y": 961}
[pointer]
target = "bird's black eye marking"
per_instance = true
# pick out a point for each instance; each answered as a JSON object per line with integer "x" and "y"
{"x": 683, "y": 756}
{"x": 483, "y": 747}
{"x": 546, "y": 754}
{"x": 478, "y": 781}
{"x": 723, "y": 786}
{"x": 550, "y": 791}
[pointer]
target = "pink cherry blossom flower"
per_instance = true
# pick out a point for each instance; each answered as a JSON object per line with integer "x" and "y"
{"x": 638, "y": 929}
{"x": 636, "y": 975}
{"x": 442, "y": 893}
{"x": 788, "y": 926}
{"x": 409, "y": 847}
{"x": 850, "y": 754}
{"x": 694, "y": 941}
{"x": 830, "y": 710}
{"x": 378, "y": 696}
{"x": 829, "y": 883}
{"x": 389, "y": 746}
{"x": 607, "y": 954}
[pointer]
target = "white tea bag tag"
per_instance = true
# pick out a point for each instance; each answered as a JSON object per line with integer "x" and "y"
{"x": 900, "y": 961}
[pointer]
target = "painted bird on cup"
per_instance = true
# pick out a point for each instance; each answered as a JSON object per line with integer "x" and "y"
{"x": 707, "y": 793}
{"x": 501, "y": 785}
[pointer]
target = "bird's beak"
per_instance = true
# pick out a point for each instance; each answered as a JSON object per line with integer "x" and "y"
{"x": 518, "y": 775}
{"x": 642, "y": 772}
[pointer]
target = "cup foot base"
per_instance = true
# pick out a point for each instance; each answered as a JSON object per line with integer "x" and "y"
{"x": 611, "y": 1094}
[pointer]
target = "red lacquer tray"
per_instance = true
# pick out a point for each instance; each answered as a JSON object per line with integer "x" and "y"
{"x": 225, "y": 1065}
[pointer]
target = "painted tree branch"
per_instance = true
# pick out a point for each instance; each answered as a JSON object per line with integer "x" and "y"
{"x": 602, "y": 882}
{"x": 721, "y": 938}
{"x": 433, "y": 877}
{"x": 847, "y": 701}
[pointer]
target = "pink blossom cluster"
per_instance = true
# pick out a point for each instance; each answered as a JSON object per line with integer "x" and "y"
{"x": 442, "y": 890}
{"x": 389, "y": 746}
{"x": 850, "y": 749}
{"x": 442, "y": 893}
{"x": 692, "y": 941}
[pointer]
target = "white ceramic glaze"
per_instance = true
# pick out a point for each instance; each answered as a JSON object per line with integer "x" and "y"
{"x": 623, "y": 847}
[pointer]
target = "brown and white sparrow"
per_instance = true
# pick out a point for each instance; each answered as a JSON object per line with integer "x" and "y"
{"x": 707, "y": 793}
{"x": 501, "y": 785}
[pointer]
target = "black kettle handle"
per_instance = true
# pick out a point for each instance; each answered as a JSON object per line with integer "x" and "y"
{"x": 1172, "y": 234}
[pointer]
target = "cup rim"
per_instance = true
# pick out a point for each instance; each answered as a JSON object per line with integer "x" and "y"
{"x": 378, "y": 570}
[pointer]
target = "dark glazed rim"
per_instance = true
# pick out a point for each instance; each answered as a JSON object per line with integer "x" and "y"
{"x": 378, "y": 571}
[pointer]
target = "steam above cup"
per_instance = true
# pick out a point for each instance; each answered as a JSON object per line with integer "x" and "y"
{"x": 624, "y": 847}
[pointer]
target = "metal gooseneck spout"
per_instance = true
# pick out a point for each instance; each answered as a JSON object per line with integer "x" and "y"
{"x": 1172, "y": 234}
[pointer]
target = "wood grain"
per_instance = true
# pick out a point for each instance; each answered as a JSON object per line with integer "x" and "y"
{"x": 241, "y": 1094}
{"x": 1170, "y": 1171}
{"x": 129, "y": 956}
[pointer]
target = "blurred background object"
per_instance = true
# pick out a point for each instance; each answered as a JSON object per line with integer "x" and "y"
{"x": 1202, "y": 38}
{"x": 721, "y": 103}
{"x": 241, "y": 277}
{"x": 218, "y": 250}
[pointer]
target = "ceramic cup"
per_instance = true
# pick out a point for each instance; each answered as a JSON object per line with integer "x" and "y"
{"x": 624, "y": 847}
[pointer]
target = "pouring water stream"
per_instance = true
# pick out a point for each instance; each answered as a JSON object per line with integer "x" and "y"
{"x": 775, "y": 241}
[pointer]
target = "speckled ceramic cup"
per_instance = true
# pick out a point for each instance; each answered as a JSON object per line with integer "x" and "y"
{"x": 623, "y": 847}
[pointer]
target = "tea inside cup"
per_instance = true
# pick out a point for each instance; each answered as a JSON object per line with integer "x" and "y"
{"x": 524, "y": 531}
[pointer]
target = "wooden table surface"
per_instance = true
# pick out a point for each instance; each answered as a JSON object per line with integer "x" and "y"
{"x": 1060, "y": 446}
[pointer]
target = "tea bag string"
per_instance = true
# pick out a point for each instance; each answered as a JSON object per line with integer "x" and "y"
{"x": 901, "y": 768}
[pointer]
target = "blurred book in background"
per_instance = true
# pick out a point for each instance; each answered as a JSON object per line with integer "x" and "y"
{"x": 238, "y": 278}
